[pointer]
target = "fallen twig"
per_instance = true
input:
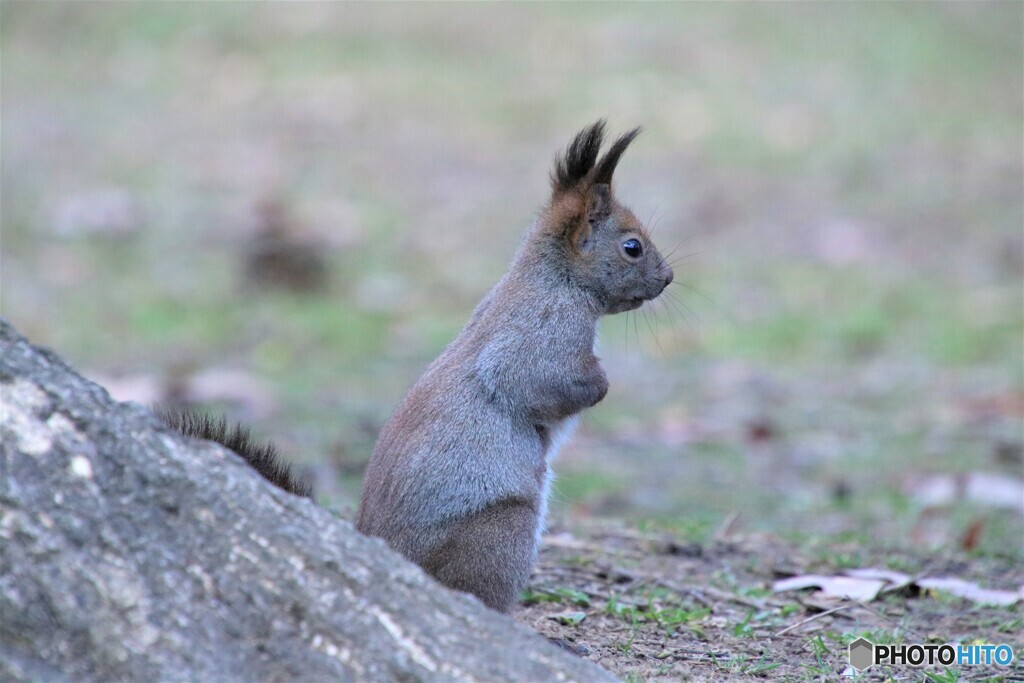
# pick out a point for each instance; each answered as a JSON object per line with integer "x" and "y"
{"x": 727, "y": 526}
{"x": 814, "y": 617}
{"x": 695, "y": 592}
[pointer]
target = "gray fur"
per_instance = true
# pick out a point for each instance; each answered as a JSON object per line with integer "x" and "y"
{"x": 459, "y": 474}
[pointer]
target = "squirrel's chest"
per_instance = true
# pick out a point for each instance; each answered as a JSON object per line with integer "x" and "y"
{"x": 555, "y": 435}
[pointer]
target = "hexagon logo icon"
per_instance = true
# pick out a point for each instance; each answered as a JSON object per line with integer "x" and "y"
{"x": 862, "y": 654}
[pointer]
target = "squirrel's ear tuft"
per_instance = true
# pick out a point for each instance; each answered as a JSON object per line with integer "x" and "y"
{"x": 579, "y": 157}
{"x": 606, "y": 167}
{"x": 599, "y": 202}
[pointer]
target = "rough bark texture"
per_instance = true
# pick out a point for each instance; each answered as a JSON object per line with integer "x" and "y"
{"x": 128, "y": 553}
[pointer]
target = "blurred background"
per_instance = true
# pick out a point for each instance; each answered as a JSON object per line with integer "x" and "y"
{"x": 284, "y": 212}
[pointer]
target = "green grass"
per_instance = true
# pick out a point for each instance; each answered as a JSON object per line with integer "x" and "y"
{"x": 820, "y": 315}
{"x": 558, "y": 595}
{"x": 575, "y": 487}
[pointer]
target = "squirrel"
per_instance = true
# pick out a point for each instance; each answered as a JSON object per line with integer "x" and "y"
{"x": 458, "y": 481}
{"x": 459, "y": 478}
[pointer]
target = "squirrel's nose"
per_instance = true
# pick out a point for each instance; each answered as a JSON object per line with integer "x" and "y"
{"x": 667, "y": 274}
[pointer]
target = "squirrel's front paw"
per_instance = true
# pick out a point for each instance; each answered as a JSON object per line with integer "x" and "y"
{"x": 592, "y": 388}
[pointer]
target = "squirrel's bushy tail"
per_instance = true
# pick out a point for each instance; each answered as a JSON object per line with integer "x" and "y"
{"x": 262, "y": 457}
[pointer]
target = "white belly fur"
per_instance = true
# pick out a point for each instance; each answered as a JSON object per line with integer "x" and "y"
{"x": 560, "y": 435}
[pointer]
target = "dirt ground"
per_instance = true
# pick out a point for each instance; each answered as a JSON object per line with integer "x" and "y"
{"x": 646, "y": 606}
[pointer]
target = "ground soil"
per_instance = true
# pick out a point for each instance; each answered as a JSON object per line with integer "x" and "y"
{"x": 612, "y": 594}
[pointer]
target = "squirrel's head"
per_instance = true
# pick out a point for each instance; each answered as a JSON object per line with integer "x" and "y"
{"x": 608, "y": 251}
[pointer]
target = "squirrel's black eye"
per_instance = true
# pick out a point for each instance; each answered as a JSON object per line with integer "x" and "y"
{"x": 633, "y": 248}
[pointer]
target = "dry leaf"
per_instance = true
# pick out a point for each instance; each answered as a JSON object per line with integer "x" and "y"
{"x": 146, "y": 389}
{"x": 972, "y": 537}
{"x": 864, "y": 585}
{"x": 862, "y": 590}
{"x": 232, "y": 386}
{"x": 104, "y": 211}
{"x": 989, "y": 489}
{"x": 1010, "y": 404}
{"x": 971, "y": 591}
{"x": 896, "y": 580}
